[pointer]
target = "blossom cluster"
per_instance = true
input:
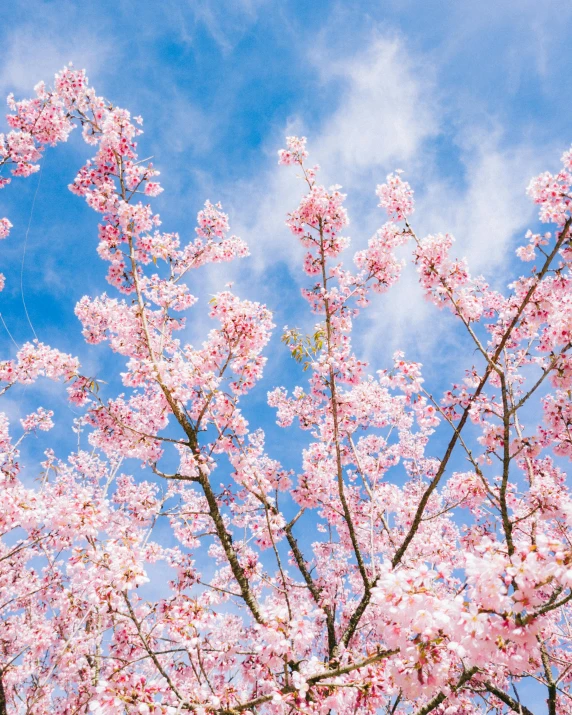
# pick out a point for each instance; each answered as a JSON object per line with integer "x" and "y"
{"x": 377, "y": 574}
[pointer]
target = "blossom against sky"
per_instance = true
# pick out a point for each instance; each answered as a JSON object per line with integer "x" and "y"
{"x": 468, "y": 101}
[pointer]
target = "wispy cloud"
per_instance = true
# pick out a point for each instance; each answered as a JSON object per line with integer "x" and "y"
{"x": 383, "y": 117}
{"x": 31, "y": 53}
{"x": 385, "y": 113}
{"x": 486, "y": 209}
{"x": 486, "y": 206}
{"x": 225, "y": 20}
{"x": 387, "y": 91}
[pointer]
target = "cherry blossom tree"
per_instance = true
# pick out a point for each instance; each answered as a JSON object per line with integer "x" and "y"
{"x": 378, "y": 578}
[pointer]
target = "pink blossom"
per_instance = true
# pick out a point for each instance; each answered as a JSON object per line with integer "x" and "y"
{"x": 41, "y": 419}
{"x": 396, "y": 197}
{"x": 5, "y": 227}
{"x": 377, "y": 574}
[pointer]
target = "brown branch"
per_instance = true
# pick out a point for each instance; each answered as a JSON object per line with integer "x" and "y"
{"x": 545, "y": 372}
{"x": 508, "y": 700}
{"x": 506, "y": 522}
{"x": 225, "y": 539}
{"x": 440, "y": 697}
{"x": 551, "y": 606}
{"x": 314, "y": 590}
{"x": 550, "y": 684}
{"x": 357, "y": 614}
{"x": 3, "y": 704}
{"x": 190, "y": 431}
{"x": 334, "y": 403}
{"x": 150, "y": 651}
{"x": 449, "y": 451}
{"x": 312, "y": 680}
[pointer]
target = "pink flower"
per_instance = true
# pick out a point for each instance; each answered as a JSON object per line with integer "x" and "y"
{"x": 5, "y": 227}
{"x": 41, "y": 419}
{"x": 352, "y": 580}
{"x": 396, "y": 197}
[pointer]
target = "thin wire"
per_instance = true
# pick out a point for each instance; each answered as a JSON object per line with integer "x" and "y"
{"x": 9, "y": 333}
{"x": 26, "y": 245}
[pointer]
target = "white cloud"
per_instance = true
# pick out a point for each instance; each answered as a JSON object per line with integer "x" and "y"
{"x": 30, "y": 55}
{"x": 386, "y": 113}
{"x": 225, "y": 20}
{"x": 487, "y": 211}
{"x": 385, "y": 118}
{"x": 382, "y": 119}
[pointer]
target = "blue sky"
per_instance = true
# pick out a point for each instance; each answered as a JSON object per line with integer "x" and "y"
{"x": 469, "y": 99}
